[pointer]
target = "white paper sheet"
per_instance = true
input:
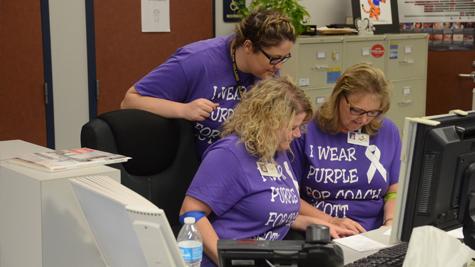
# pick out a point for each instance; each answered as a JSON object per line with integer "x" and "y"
{"x": 360, "y": 243}
{"x": 457, "y": 233}
{"x": 155, "y": 15}
{"x": 430, "y": 246}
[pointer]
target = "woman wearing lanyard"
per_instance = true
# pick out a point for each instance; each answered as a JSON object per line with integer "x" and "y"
{"x": 203, "y": 81}
{"x": 348, "y": 160}
{"x": 245, "y": 187}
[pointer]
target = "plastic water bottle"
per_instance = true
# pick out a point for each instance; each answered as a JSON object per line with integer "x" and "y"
{"x": 190, "y": 243}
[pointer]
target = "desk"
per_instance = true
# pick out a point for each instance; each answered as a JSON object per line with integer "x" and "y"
{"x": 351, "y": 255}
{"x": 41, "y": 222}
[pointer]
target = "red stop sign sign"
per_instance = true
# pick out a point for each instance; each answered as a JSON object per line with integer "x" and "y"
{"x": 377, "y": 50}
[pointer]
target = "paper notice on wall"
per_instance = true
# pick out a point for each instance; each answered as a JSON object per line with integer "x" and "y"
{"x": 155, "y": 15}
{"x": 436, "y": 11}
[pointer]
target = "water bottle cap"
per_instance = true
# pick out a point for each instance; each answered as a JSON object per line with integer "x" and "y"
{"x": 189, "y": 220}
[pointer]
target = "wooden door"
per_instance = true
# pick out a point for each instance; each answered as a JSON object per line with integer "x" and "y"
{"x": 22, "y": 95}
{"x": 124, "y": 54}
{"x": 445, "y": 89}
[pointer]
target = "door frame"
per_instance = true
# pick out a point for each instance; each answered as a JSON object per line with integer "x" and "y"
{"x": 48, "y": 76}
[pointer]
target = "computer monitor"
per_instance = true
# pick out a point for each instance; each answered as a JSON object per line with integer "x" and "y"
{"x": 128, "y": 229}
{"x": 437, "y": 173}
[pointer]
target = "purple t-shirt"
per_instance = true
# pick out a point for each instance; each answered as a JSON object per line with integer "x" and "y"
{"x": 348, "y": 180}
{"x": 199, "y": 70}
{"x": 244, "y": 203}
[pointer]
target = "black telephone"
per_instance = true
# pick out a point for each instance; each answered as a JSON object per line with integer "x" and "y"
{"x": 316, "y": 250}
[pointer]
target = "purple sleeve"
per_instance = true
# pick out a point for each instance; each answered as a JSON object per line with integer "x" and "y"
{"x": 167, "y": 81}
{"x": 219, "y": 181}
{"x": 396, "y": 163}
{"x": 297, "y": 157}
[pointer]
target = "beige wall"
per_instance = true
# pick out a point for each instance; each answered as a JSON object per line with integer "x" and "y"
{"x": 322, "y": 12}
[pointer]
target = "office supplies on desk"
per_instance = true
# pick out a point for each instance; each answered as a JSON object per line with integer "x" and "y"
{"x": 61, "y": 160}
{"x": 329, "y": 31}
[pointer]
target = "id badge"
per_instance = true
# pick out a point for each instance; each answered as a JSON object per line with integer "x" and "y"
{"x": 358, "y": 138}
{"x": 267, "y": 169}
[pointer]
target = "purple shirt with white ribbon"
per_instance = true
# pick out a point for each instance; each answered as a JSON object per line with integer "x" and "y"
{"x": 348, "y": 180}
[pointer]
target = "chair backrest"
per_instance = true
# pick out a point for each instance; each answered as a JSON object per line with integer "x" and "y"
{"x": 164, "y": 157}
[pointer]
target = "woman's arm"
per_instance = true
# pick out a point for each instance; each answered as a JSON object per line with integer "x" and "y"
{"x": 390, "y": 205}
{"x": 346, "y": 223}
{"x": 196, "y": 110}
{"x": 210, "y": 238}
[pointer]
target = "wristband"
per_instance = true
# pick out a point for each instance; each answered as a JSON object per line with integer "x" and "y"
{"x": 197, "y": 214}
{"x": 390, "y": 195}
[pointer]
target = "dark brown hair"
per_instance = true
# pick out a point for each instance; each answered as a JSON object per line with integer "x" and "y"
{"x": 264, "y": 28}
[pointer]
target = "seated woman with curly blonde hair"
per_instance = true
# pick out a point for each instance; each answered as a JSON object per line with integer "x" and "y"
{"x": 245, "y": 186}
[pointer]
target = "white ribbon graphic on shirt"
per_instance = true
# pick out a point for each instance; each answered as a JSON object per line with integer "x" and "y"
{"x": 374, "y": 154}
{"x": 289, "y": 172}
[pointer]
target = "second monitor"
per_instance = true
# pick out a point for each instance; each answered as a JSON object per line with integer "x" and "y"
{"x": 437, "y": 174}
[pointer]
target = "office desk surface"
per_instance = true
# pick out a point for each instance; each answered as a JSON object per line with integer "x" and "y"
{"x": 351, "y": 255}
{"x": 41, "y": 221}
{"x": 12, "y": 148}
{"x": 378, "y": 235}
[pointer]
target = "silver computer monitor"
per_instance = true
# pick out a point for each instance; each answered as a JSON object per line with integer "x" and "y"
{"x": 129, "y": 230}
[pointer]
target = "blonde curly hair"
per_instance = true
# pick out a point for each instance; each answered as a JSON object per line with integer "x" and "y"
{"x": 263, "y": 112}
{"x": 359, "y": 78}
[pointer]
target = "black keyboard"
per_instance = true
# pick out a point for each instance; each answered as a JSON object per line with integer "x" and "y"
{"x": 392, "y": 256}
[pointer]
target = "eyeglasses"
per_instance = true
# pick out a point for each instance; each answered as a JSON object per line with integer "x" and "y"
{"x": 274, "y": 60}
{"x": 302, "y": 128}
{"x": 360, "y": 112}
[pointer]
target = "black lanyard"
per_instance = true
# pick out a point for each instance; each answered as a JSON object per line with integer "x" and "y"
{"x": 235, "y": 68}
{"x": 241, "y": 88}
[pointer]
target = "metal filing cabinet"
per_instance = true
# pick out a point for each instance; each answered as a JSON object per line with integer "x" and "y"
{"x": 317, "y": 62}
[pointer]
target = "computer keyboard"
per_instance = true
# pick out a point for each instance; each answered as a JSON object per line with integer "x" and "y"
{"x": 392, "y": 256}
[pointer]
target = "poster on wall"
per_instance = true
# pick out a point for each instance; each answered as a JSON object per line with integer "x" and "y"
{"x": 383, "y": 14}
{"x": 450, "y": 24}
{"x": 437, "y": 11}
{"x": 230, "y": 11}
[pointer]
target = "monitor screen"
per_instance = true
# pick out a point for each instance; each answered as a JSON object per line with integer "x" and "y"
{"x": 128, "y": 229}
{"x": 437, "y": 173}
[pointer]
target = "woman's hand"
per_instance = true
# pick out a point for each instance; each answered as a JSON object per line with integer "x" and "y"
{"x": 302, "y": 222}
{"x": 198, "y": 110}
{"x": 337, "y": 231}
{"x": 348, "y": 224}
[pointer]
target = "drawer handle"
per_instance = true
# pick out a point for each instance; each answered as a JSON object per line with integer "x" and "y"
{"x": 319, "y": 67}
{"x": 405, "y": 102}
{"x": 407, "y": 61}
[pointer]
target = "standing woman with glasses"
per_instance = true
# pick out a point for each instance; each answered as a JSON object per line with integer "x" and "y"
{"x": 203, "y": 81}
{"x": 348, "y": 160}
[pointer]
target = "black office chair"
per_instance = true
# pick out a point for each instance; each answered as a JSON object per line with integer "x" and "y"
{"x": 163, "y": 153}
